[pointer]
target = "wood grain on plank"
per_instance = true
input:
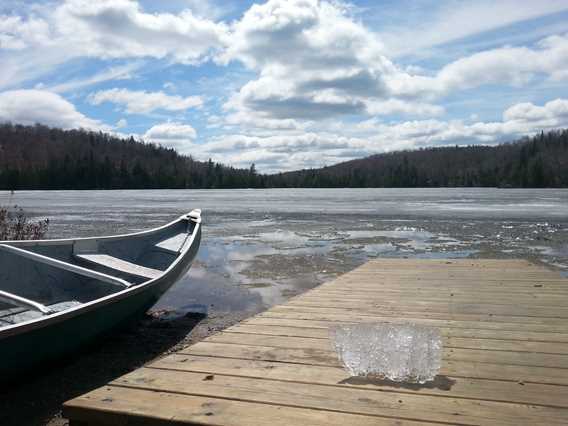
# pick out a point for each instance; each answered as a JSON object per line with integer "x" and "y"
{"x": 443, "y": 386}
{"x": 497, "y": 356}
{"x": 313, "y": 356}
{"x": 418, "y": 318}
{"x": 348, "y": 400}
{"x": 113, "y": 405}
{"x": 495, "y": 343}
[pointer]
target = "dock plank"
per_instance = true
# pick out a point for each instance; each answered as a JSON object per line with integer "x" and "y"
{"x": 417, "y": 318}
{"x": 505, "y": 361}
{"x": 519, "y": 344}
{"x": 311, "y": 356}
{"x": 415, "y": 312}
{"x": 440, "y": 307}
{"x": 323, "y": 348}
{"x": 114, "y": 405}
{"x": 349, "y": 400}
{"x": 457, "y": 387}
{"x": 480, "y": 333}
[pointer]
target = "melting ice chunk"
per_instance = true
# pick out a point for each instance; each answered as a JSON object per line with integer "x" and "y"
{"x": 398, "y": 352}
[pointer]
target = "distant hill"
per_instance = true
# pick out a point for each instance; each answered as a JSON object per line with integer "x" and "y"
{"x": 39, "y": 157}
{"x": 540, "y": 161}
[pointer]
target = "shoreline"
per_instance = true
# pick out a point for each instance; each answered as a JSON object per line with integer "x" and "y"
{"x": 37, "y": 399}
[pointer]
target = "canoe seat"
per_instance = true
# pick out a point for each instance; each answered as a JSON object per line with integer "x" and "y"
{"x": 20, "y": 315}
{"x": 173, "y": 244}
{"x": 120, "y": 265}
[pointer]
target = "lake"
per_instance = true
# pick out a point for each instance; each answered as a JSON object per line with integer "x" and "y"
{"x": 261, "y": 247}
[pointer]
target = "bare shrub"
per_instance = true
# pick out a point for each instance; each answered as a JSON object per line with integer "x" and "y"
{"x": 15, "y": 225}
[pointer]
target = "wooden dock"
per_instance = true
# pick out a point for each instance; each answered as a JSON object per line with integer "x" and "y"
{"x": 505, "y": 328}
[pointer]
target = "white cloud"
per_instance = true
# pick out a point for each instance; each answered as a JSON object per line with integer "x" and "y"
{"x": 142, "y": 102}
{"x": 283, "y": 151}
{"x": 295, "y": 150}
{"x": 518, "y": 120}
{"x": 40, "y": 106}
{"x": 551, "y": 114}
{"x": 398, "y": 106}
{"x": 509, "y": 65}
{"x": 121, "y": 123}
{"x": 28, "y": 64}
{"x": 440, "y": 22}
{"x": 123, "y": 72}
{"x": 314, "y": 62}
{"x": 336, "y": 67}
{"x": 208, "y": 9}
{"x": 17, "y": 33}
{"x": 119, "y": 29}
{"x": 515, "y": 66}
{"x": 51, "y": 35}
{"x": 174, "y": 135}
{"x": 255, "y": 122}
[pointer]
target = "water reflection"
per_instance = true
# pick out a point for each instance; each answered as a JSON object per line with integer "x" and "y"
{"x": 261, "y": 247}
{"x": 251, "y": 268}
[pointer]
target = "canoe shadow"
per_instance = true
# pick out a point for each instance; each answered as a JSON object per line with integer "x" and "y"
{"x": 35, "y": 398}
{"x": 440, "y": 382}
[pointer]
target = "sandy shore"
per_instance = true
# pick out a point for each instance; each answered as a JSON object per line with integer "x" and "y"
{"x": 37, "y": 399}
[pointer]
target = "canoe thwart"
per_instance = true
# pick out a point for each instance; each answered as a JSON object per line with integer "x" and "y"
{"x": 65, "y": 266}
{"x": 15, "y": 316}
{"x": 120, "y": 265}
{"x": 173, "y": 244}
{"x": 13, "y": 299}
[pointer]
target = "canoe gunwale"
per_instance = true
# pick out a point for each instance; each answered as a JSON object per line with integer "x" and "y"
{"x": 45, "y": 321}
{"x": 63, "y": 241}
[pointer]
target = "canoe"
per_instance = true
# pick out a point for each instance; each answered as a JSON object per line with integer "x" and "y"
{"x": 57, "y": 295}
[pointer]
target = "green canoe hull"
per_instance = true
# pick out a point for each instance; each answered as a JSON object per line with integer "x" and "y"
{"x": 33, "y": 345}
{"x": 20, "y": 353}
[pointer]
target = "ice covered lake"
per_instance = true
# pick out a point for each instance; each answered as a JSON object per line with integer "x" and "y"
{"x": 262, "y": 246}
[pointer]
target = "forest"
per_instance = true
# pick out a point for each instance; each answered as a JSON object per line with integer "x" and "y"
{"x": 536, "y": 162}
{"x": 40, "y": 157}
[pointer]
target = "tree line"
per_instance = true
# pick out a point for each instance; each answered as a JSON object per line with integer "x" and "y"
{"x": 535, "y": 162}
{"x": 40, "y": 157}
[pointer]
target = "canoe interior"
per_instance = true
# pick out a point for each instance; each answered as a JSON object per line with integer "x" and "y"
{"x": 61, "y": 289}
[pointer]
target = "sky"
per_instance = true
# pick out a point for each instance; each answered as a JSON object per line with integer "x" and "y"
{"x": 288, "y": 84}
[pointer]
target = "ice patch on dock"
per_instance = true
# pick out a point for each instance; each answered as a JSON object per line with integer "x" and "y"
{"x": 397, "y": 352}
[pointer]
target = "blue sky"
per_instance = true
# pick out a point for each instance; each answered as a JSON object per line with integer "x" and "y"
{"x": 288, "y": 84}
